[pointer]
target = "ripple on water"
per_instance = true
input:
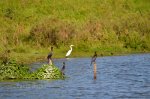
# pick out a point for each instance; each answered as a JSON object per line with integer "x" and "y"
{"x": 118, "y": 77}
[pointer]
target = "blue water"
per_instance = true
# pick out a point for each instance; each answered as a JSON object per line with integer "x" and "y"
{"x": 118, "y": 77}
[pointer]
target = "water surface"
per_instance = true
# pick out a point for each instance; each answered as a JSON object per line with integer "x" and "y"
{"x": 118, "y": 77}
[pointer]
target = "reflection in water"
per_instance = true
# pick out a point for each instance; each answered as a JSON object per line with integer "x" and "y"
{"x": 118, "y": 77}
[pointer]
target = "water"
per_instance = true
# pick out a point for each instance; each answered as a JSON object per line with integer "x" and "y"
{"x": 118, "y": 77}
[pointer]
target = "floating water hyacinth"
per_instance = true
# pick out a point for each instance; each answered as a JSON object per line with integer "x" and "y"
{"x": 12, "y": 70}
{"x": 49, "y": 72}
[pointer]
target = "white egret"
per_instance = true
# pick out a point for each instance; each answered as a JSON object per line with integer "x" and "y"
{"x": 69, "y": 52}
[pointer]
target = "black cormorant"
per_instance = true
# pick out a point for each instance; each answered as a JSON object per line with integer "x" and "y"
{"x": 49, "y": 56}
{"x": 94, "y": 58}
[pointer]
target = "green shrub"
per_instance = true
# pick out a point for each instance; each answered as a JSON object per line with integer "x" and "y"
{"x": 52, "y": 32}
{"x": 89, "y": 24}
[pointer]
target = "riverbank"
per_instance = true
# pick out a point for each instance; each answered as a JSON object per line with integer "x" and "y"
{"x": 110, "y": 27}
{"x": 41, "y": 55}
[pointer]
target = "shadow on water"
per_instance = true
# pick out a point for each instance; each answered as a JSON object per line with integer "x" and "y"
{"x": 118, "y": 77}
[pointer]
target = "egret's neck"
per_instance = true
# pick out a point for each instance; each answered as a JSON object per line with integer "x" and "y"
{"x": 71, "y": 48}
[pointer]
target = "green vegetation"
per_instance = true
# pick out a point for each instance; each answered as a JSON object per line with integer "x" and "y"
{"x": 48, "y": 72}
{"x": 29, "y": 27}
{"x": 12, "y": 70}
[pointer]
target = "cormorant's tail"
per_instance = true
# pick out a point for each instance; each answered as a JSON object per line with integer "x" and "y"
{"x": 91, "y": 63}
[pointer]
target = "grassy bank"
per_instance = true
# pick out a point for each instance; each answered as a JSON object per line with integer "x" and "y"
{"x": 29, "y": 27}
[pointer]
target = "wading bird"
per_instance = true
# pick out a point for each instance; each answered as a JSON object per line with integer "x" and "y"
{"x": 49, "y": 56}
{"x": 69, "y": 52}
{"x": 94, "y": 58}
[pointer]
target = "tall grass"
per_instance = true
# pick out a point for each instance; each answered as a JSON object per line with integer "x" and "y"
{"x": 101, "y": 25}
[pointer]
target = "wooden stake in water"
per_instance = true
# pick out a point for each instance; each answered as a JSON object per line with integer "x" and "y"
{"x": 94, "y": 67}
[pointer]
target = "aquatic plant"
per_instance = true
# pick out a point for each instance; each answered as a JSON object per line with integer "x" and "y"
{"x": 13, "y": 70}
{"x": 48, "y": 72}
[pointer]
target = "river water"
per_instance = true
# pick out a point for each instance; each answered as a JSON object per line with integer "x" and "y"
{"x": 118, "y": 77}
